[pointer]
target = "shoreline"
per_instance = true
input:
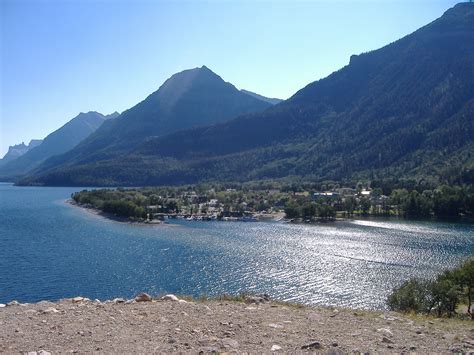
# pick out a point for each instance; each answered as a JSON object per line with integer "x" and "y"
{"x": 126, "y": 220}
{"x": 251, "y": 324}
{"x": 278, "y": 218}
{"x": 112, "y": 217}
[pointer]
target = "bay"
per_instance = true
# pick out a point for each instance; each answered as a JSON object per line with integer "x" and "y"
{"x": 51, "y": 250}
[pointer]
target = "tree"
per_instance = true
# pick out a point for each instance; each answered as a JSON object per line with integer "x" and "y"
{"x": 441, "y": 295}
{"x": 465, "y": 277}
{"x": 309, "y": 210}
{"x": 350, "y": 204}
{"x": 325, "y": 211}
{"x": 292, "y": 210}
{"x": 364, "y": 205}
{"x": 413, "y": 295}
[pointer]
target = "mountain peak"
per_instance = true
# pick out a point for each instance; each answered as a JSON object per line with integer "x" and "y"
{"x": 178, "y": 84}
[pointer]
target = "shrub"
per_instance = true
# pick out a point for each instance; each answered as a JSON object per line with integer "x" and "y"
{"x": 441, "y": 295}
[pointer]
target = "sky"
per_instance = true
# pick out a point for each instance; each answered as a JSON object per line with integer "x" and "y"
{"x": 62, "y": 57}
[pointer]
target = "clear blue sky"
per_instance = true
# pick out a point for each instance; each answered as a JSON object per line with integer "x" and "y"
{"x": 59, "y": 58}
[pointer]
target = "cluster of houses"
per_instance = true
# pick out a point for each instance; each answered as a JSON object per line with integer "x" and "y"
{"x": 338, "y": 198}
{"x": 199, "y": 207}
{"x": 204, "y": 206}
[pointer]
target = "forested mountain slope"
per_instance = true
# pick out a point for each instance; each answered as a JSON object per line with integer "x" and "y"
{"x": 404, "y": 110}
{"x": 191, "y": 98}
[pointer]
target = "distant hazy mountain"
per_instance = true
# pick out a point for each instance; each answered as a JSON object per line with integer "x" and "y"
{"x": 192, "y": 98}
{"x": 17, "y": 150}
{"x": 403, "y": 111}
{"x": 112, "y": 115}
{"x": 272, "y": 101}
{"x": 58, "y": 142}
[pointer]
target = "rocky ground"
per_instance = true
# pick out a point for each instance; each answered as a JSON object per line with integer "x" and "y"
{"x": 256, "y": 325}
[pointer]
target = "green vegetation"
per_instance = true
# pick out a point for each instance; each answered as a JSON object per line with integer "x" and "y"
{"x": 216, "y": 201}
{"x": 440, "y": 296}
{"x": 403, "y": 111}
{"x": 299, "y": 201}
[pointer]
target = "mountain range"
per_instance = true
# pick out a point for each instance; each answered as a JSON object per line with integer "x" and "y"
{"x": 17, "y": 150}
{"x": 403, "y": 111}
{"x": 191, "y": 98}
{"x": 58, "y": 142}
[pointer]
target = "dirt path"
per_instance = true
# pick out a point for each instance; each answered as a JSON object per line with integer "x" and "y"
{"x": 222, "y": 326}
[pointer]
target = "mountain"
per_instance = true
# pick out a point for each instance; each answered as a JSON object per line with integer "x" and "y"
{"x": 111, "y": 116}
{"x": 58, "y": 142}
{"x": 191, "y": 98}
{"x": 403, "y": 111}
{"x": 17, "y": 150}
{"x": 272, "y": 101}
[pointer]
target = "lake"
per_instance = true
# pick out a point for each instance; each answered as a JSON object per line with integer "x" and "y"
{"x": 52, "y": 250}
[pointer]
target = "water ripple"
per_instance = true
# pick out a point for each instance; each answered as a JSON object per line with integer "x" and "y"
{"x": 58, "y": 251}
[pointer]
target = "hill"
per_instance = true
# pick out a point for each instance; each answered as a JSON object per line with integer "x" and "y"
{"x": 58, "y": 142}
{"x": 402, "y": 111}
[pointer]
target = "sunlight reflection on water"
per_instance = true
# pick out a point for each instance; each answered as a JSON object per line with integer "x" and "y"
{"x": 60, "y": 251}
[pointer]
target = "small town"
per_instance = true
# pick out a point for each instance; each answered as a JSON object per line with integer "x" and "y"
{"x": 298, "y": 205}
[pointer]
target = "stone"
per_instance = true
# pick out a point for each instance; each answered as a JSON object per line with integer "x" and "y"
{"x": 13, "y": 303}
{"x": 334, "y": 351}
{"x": 77, "y": 299}
{"x": 118, "y": 300}
{"x": 230, "y": 343}
{"x": 207, "y": 341}
{"x": 50, "y": 310}
{"x": 256, "y": 299}
{"x": 170, "y": 298}
{"x": 386, "y": 340}
{"x": 143, "y": 297}
{"x": 275, "y": 348}
{"x": 182, "y": 301}
{"x": 315, "y": 317}
{"x": 209, "y": 350}
{"x": 275, "y": 326}
{"x": 312, "y": 346}
{"x": 44, "y": 352}
{"x": 385, "y": 331}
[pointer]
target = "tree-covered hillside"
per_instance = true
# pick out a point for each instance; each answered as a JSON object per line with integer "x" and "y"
{"x": 405, "y": 110}
{"x": 188, "y": 99}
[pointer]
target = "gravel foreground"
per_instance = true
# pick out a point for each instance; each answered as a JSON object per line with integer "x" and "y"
{"x": 255, "y": 326}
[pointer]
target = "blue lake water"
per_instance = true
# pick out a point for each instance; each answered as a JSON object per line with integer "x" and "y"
{"x": 51, "y": 250}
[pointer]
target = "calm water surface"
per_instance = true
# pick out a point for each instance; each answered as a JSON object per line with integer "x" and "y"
{"x": 51, "y": 250}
